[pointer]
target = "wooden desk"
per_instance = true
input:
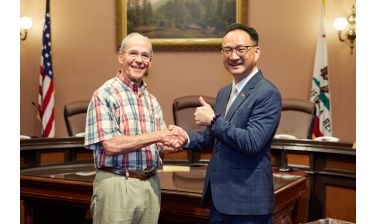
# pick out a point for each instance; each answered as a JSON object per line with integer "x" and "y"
{"x": 62, "y": 193}
{"x": 45, "y": 151}
{"x": 331, "y": 167}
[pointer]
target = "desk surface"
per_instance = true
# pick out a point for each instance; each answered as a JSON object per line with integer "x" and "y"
{"x": 70, "y": 187}
{"x": 48, "y": 143}
{"x": 176, "y": 178}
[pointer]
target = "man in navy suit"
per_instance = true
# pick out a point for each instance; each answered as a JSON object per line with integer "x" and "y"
{"x": 240, "y": 130}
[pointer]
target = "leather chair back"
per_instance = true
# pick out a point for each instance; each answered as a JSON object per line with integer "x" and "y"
{"x": 75, "y": 116}
{"x": 184, "y": 108}
{"x": 296, "y": 118}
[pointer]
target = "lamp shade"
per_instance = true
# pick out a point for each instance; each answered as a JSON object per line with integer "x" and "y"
{"x": 340, "y": 23}
{"x": 25, "y": 23}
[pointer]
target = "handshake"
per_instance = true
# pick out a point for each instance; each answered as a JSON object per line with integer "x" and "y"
{"x": 173, "y": 139}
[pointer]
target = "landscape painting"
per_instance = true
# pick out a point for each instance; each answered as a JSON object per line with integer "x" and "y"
{"x": 181, "y": 22}
{"x": 180, "y": 18}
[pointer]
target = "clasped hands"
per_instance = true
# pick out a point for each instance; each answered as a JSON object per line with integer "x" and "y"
{"x": 173, "y": 139}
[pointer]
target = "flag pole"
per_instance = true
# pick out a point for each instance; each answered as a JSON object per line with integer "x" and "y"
{"x": 46, "y": 99}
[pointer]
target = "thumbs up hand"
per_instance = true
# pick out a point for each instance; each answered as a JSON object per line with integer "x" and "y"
{"x": 203, "y": 103}
{"x": 204, "y": 114}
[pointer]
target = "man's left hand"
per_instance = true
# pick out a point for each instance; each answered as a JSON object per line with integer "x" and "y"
{"x": 203, "y": 115}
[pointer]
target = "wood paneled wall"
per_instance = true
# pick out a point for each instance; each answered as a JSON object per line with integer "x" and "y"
{"x": 84, "y": 57}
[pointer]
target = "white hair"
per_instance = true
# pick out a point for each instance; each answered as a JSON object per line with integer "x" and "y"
{"x": 135, "y": 34}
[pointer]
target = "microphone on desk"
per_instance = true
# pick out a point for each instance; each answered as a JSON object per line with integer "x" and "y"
{"x": 35, "y": 106}
{"x": 284, "y": 162}
{"x": 283, "y": 158}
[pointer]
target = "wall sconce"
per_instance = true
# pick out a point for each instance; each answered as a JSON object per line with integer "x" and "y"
{"x": 350, "y": 35}
{"x": 25, "y": 24}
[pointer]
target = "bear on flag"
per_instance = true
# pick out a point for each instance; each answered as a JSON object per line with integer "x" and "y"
{"x": 322, "y": 125}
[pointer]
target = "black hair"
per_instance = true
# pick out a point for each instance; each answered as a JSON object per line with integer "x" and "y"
{"x": 251, "y": 31}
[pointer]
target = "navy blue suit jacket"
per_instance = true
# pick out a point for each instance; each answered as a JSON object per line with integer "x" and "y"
{"x": 239, "y": 174}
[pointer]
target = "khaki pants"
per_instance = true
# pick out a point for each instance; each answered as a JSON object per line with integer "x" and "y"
{"x": 117, "y": 199}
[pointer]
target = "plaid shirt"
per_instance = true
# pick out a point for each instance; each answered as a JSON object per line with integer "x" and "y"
{"x": 121, "y": 107}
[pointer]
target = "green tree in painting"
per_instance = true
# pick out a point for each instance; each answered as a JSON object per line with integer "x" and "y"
{"x": 180, "y": 18}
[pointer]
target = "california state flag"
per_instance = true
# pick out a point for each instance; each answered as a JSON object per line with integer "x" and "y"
{"x": 322, "y": 125}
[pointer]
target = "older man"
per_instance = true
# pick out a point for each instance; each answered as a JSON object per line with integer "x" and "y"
{"x": 125, "y": 128}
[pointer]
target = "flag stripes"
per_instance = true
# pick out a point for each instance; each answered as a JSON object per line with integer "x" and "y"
{"x": 46, "y": 100}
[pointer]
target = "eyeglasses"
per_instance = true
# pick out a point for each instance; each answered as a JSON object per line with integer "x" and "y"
{"x": 240, "y": 50}
{"x": 145, "y": 56}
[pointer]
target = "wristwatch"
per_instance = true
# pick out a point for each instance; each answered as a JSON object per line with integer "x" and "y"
{"x": 214, "y": 119}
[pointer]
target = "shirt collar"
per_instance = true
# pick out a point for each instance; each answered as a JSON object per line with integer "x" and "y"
{"x": 132, "y": 85}
{"x": 239, "y": 86}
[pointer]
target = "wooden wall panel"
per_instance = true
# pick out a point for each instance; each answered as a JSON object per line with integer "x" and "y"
{"x": 85, "y": 155}
{"x": 78, "y": 74}
{"x": 179, "y": 156}
{"x": 206, "y": 155}
{"x": 340, "y": 203}
{"x": 22, "y": 212}
{"x": 298, "y": 159}
{"x": 340, "y": 164}
{"x": 51, "y": 157}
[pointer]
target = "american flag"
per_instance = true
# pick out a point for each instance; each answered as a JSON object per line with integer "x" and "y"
{"x": 46, "y": 93}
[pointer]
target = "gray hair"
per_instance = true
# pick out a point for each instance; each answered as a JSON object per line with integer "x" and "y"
{"x": 135, "y": 34}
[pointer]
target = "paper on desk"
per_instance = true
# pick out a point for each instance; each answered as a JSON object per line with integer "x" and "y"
{"x": 85, "y": 173}
{"x": 174, "y": 168}
{"x": 82, "y": 134}
{"x": 285, "y": 136}
{"x": 288, "y": 176}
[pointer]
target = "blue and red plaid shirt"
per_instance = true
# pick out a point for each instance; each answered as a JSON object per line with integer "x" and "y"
{"x": 121, "y": 107}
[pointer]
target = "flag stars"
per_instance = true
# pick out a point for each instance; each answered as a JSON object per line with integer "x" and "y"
{"x": 46, "y": 87}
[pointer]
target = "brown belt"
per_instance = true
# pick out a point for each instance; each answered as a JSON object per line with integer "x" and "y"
{"x": 131, "y": 174}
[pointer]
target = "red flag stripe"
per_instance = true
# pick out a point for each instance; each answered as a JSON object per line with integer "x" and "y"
{"x": 49, "y": 127}
{"x": 46, "y": 100}
{"x": 48, "y": 94}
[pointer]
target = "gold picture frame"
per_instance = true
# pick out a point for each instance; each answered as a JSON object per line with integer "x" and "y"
{"x": 177, "y": 44}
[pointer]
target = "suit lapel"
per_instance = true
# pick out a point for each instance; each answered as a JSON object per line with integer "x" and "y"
{"x": 222, "y": 103}
{"x": 245, "y": 92}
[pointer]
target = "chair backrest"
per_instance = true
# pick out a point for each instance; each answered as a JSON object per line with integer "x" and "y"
{"x": 184, "y": 108}
{"x": 296, "y": 118}
{"x": 75, "y": 116}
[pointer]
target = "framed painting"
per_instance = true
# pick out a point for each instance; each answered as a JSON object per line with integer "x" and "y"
{"x": 179, "y": 25}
